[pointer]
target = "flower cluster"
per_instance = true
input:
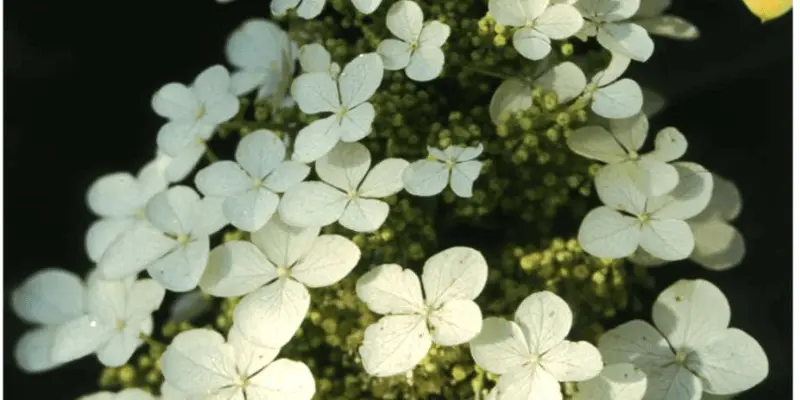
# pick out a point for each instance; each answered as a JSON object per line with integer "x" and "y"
{"x": 390, "y": 224}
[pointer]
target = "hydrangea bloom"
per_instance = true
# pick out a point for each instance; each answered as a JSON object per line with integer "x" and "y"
{"x": 419, "y": 48}
{"x": 346, "y": 97}
{"x": 193, "y": 113}
{"x": 651, "y": 172}
{"x": 264, "y": 56}
{"x": 348, "y": 193}
{"x": 538, "y": 21}
{"x": 718, "y": 244}
{"x": 396, "y": 343}
{"x": 691, "y": 350}
{"x": 173, "y": 246}
{"x": 531, "y": 354}
{"x": 455, "y": 164}
{"x": 272, "y": 274}
{"x": 657, "y": 224}
{"x": 250, "y": 184}
{"x": 200, "y": 363}
{"x": 118, "y": 312}
{"x": 606, "y": 19}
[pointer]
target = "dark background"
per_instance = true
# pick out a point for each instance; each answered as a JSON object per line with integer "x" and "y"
{"x": 78, "y": 82}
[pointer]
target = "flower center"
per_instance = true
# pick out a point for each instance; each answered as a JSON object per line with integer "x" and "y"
{"x": 283, "y": 272}
{"x": 241, "y": 381}
{"x": 140, "y": 214}
{"x": 680, "y": 357}
{"x": 121, "y": 325}
{"x": 644, "y": 218}
{"x": 258, "y": 183}
{"x": 183, "y": 239}
{"x": 341, "y": 113}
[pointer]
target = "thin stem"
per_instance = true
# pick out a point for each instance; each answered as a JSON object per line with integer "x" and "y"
{"x": 210, "y": 154}
{"x": 487, "y": 73}
{"x": 150, "y": 341}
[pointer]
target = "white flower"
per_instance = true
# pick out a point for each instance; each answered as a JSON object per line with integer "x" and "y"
{"x": 691, "y": 350}
{"x": 396, "y": 343}
{"x": 119, "y": 199}
{"x": 419, "y": 50}
{"x": 718, "y": 245}
{"x": 531, "y": 354}
{"x": 538, "y": 22}
{"x": 611, "y": 97}
{"x": 126, "y": 394}
{"x": 49, "y": 298}
{"x": 657, "y": 224}
{"x": 456, "y": 164}
{"x": 621, "y": 381}
{"x": 273, "y": 272}
{"x": 651, "y": 17}
{"x": 345, "y": 97}
{"x": 606, "y": 19}
{"x": 265, "y": 57}
{"x": 250, "y": 184}
{"x": 193, "y": 112}
{"x": 347, "y": 193}
{"x": 314, "y": 58}
{"x": 650, "y": 172}
{"x": 200, "y": 363}
{"x": 308, "y": 9}
{"x": 174, "y": 246}
{"x": 118, "y": 312}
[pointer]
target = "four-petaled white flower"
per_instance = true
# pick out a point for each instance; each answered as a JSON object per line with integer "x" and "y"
{"x": 396, "y": 343}
{"x": 606, "y": 19}
{"x": 126, "y": 394}
{"x": 346, "y": 97}
{"x": 119, "y": 199}
{"x": 455, "y": 164}
{"x": 118, "y": 312}
{"x": 419, "y": 50}
{"x": 272, "y": 274}
{"x": 650, "y": 172}
{"x": 250, "y": 187}
{"x": 309, "y": 9}
{"x": 173, "y": 246}
{"x": 531, "y": 353}
{"x": 656, "y": 224}
{"x": 651, "y": 17}
{"x": 193, "y": 112}
{"x": 265, "y": 57}
{"x": 49, "y": 298}
{"x": 348, "y": 193}
{"x": 538, "y": 22}
{"x": 690, "y": 350}
{"x": 718, "y": 245}
{"x": 621, "y": 381}
{"x": 315, "y": 58}
{"x": 200, "y": 363}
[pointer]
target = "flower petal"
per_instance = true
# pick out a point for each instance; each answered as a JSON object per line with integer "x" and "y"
{"x": 531, "y": 44}
{"x": 384, "y": 180}
{"x": 395, "y": 54}
{"x": 452, "y": 274}
{"x": 316, "y": 139}
{"x": 404, "y": 19}
{"x": 690, "y": 311}
{"x": 546, "y": 319}
{"x": 315, "y": 93}
{"x": 50, "y": 296}
{"x": 394, "y": 345}
{"x": 134, "y": 251}
{"x": 364, "y": 215}
{"x": 222, "y": 178}
{"x": 312, "y": 204}
{"x": 360, "y": 79}
{"x": 198, "y": 361}
{"x": 286, "y": 175}
{"x": 175, "y": 101}
{"x": 356, "y": 124}
{"x": 606, "y": 233}
{"x": 628, "y": 39}
{"x": 329, "y": 260}
{"x": 730, "y": 362}
{"x": 426, "y": 63}
{"x": 390, "y": 289}
{"x": 669, "y": 239}
{"x": 456, "y": 322}
{"x": 620, "y": 381}
{"x": 573, "y": 361}
{"x": 102, "y": 233}
{"x": 260, "y": 152}
{"x": 181, "y": 269}
{"x": 620, "y": 99}
{"x": 500, "y": 347}
{"x": 250, "y": 210}
{"x": 463, "y": 177}
{"x": 282, "y": 380}
{"x": 425, "y": 178}
{"x": 236, "y": 268}
{"x": 270, "y": 316}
